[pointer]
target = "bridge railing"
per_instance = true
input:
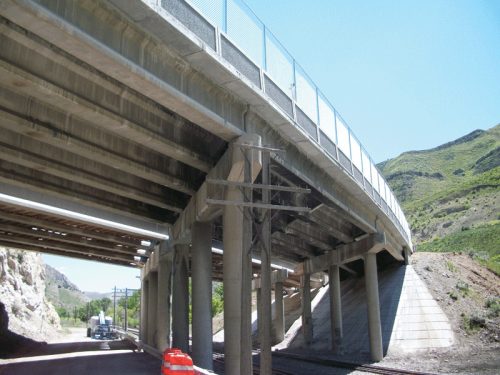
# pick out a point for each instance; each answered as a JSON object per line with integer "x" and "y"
{"x": 231, "y": 29}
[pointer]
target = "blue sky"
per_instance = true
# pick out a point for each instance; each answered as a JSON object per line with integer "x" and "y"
{"x": 405, "y": 75}
{"x": 92, "y": 276}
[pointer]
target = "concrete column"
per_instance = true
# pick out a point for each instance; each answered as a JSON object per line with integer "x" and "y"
{"x": 279, "y": 314}
{"x": 144, "y": 311}
{"x": 180, "y": 299}
{"x": 374, "y": 326}
{"x": 307, "y": 326}
{"x": 164, "y": 287}
{"x": 152, "y": 308}
{"x": 406, "y": 254}
{"x": 237, "y": 269}
{"x": 335, "y": 307}
{"x": 201, "y": 271}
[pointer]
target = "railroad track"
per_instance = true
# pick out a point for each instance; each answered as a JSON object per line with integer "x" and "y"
{"x": 374, "y": 369}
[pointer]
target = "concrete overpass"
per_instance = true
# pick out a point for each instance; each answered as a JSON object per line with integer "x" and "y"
{"x": 140, "y": 133}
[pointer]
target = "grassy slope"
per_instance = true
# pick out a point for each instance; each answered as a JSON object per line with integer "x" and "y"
{"x": 450, "y": 198}
{"x": 482, "y": 242}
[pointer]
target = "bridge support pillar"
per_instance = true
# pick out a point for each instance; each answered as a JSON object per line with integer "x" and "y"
{"x": 237, "y": 267}
{"x": 152, "y": 308}
{"x": 201, "y": 271}
{"x": 374, "y": 325}
{"x": 164, "y": 290}
{"x": 180, "y": 299}
{"x": 307, "y": 325}
{"x": 144, "y": 311}
{"x": 335, "y": 307}
{"x": 279, "y": 314}
{"x": 406, "y": 254}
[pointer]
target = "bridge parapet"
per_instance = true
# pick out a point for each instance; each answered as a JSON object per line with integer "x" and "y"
{"x": 235, "y": 34}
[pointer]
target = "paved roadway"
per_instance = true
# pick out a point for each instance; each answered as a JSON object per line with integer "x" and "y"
{"x": 82, "y": 357}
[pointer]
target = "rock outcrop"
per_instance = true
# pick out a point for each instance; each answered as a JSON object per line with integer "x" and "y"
{"x": 22, "y": 292}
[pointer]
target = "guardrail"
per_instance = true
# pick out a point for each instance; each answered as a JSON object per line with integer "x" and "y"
{"x": 231, "y": 29}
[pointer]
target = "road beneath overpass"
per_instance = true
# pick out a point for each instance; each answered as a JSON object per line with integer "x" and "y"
{"x": 78, "y": 355}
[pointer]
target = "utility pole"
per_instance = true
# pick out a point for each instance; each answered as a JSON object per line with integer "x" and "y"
{"x": 114, "y": 306}
{"x": 126, "y": 306}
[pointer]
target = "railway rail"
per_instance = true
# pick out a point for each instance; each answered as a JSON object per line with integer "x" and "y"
{"x": 373, "y": 369}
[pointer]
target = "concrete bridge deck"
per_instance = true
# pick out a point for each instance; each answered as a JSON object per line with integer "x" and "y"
{"x": 160, "y": 120}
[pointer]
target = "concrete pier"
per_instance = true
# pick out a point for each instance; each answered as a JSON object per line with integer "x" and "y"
{"x": 201, "y": 272}
{"x": 180, "y": 299}
{"x": 279, "y": 314}
{"x": 372, "y": 299}
{"x": 307, "y": 326}
{"x": 152, "y": 308}
{"x": 164, "y": 290}
{"x": 335, "y": 307}
{"x": 237, "y": 275}
{"x": 143, "y": 333}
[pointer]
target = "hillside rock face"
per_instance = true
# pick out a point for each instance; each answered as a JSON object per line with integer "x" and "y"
{"x": 22, "y": 292}
{"x": 61, "y": 292}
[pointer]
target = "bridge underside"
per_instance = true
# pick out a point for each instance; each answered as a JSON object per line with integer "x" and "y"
{"x": 101, "y": 118}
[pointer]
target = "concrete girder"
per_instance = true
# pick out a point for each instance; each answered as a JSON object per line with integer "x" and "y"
{"x": 90, "y": 179}
{"x": 69, "y": 239}
{"x": 120, "y": 62}
{"x": 16, "y": 142}
{"x": 277, "y": 276}
{"x": 373, "y": 243}
{"x": 310, "y": 235}
{"x": 52, "y": 245}
{"x": 113, "y": 121}
{"x": 47, "y": 134}
{"x": 56, "y": 187}
{"x": 295, "y": 245}
{"x": 334, "y": 227}
{"x": 39, "y": 249}
{"x": 50, "y": 52}
{"x": 284, "y": 252}
{"x": 16, "y": 198}
{"x": 40, "y": 223}
{"x": 330, "y": 228}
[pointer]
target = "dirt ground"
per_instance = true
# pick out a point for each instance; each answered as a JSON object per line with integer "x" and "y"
{"x": 463, "y": 288}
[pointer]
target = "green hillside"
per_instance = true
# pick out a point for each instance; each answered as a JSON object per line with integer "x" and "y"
{"x": 450, "y": 194}
{"x": 64, "y": 295}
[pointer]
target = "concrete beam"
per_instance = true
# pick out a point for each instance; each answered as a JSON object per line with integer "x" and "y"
{"x": 69, "y": 229}
{"x": 67, "y": 253}
{"x": 122, "y": 65}
{"x": 150, "y": 110}
{"x": 343, "y": 254}
{"x": 277, "y": 276}
{"x": 63, "y": 208}
{"x": 85, "y": 178}
{"x": 304, "y": 234}
{"x": 66, "y": 248}
{"x": 44, "y": 133}
{"x": 67, "y": 239}
{"x": 58, "y": 188}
